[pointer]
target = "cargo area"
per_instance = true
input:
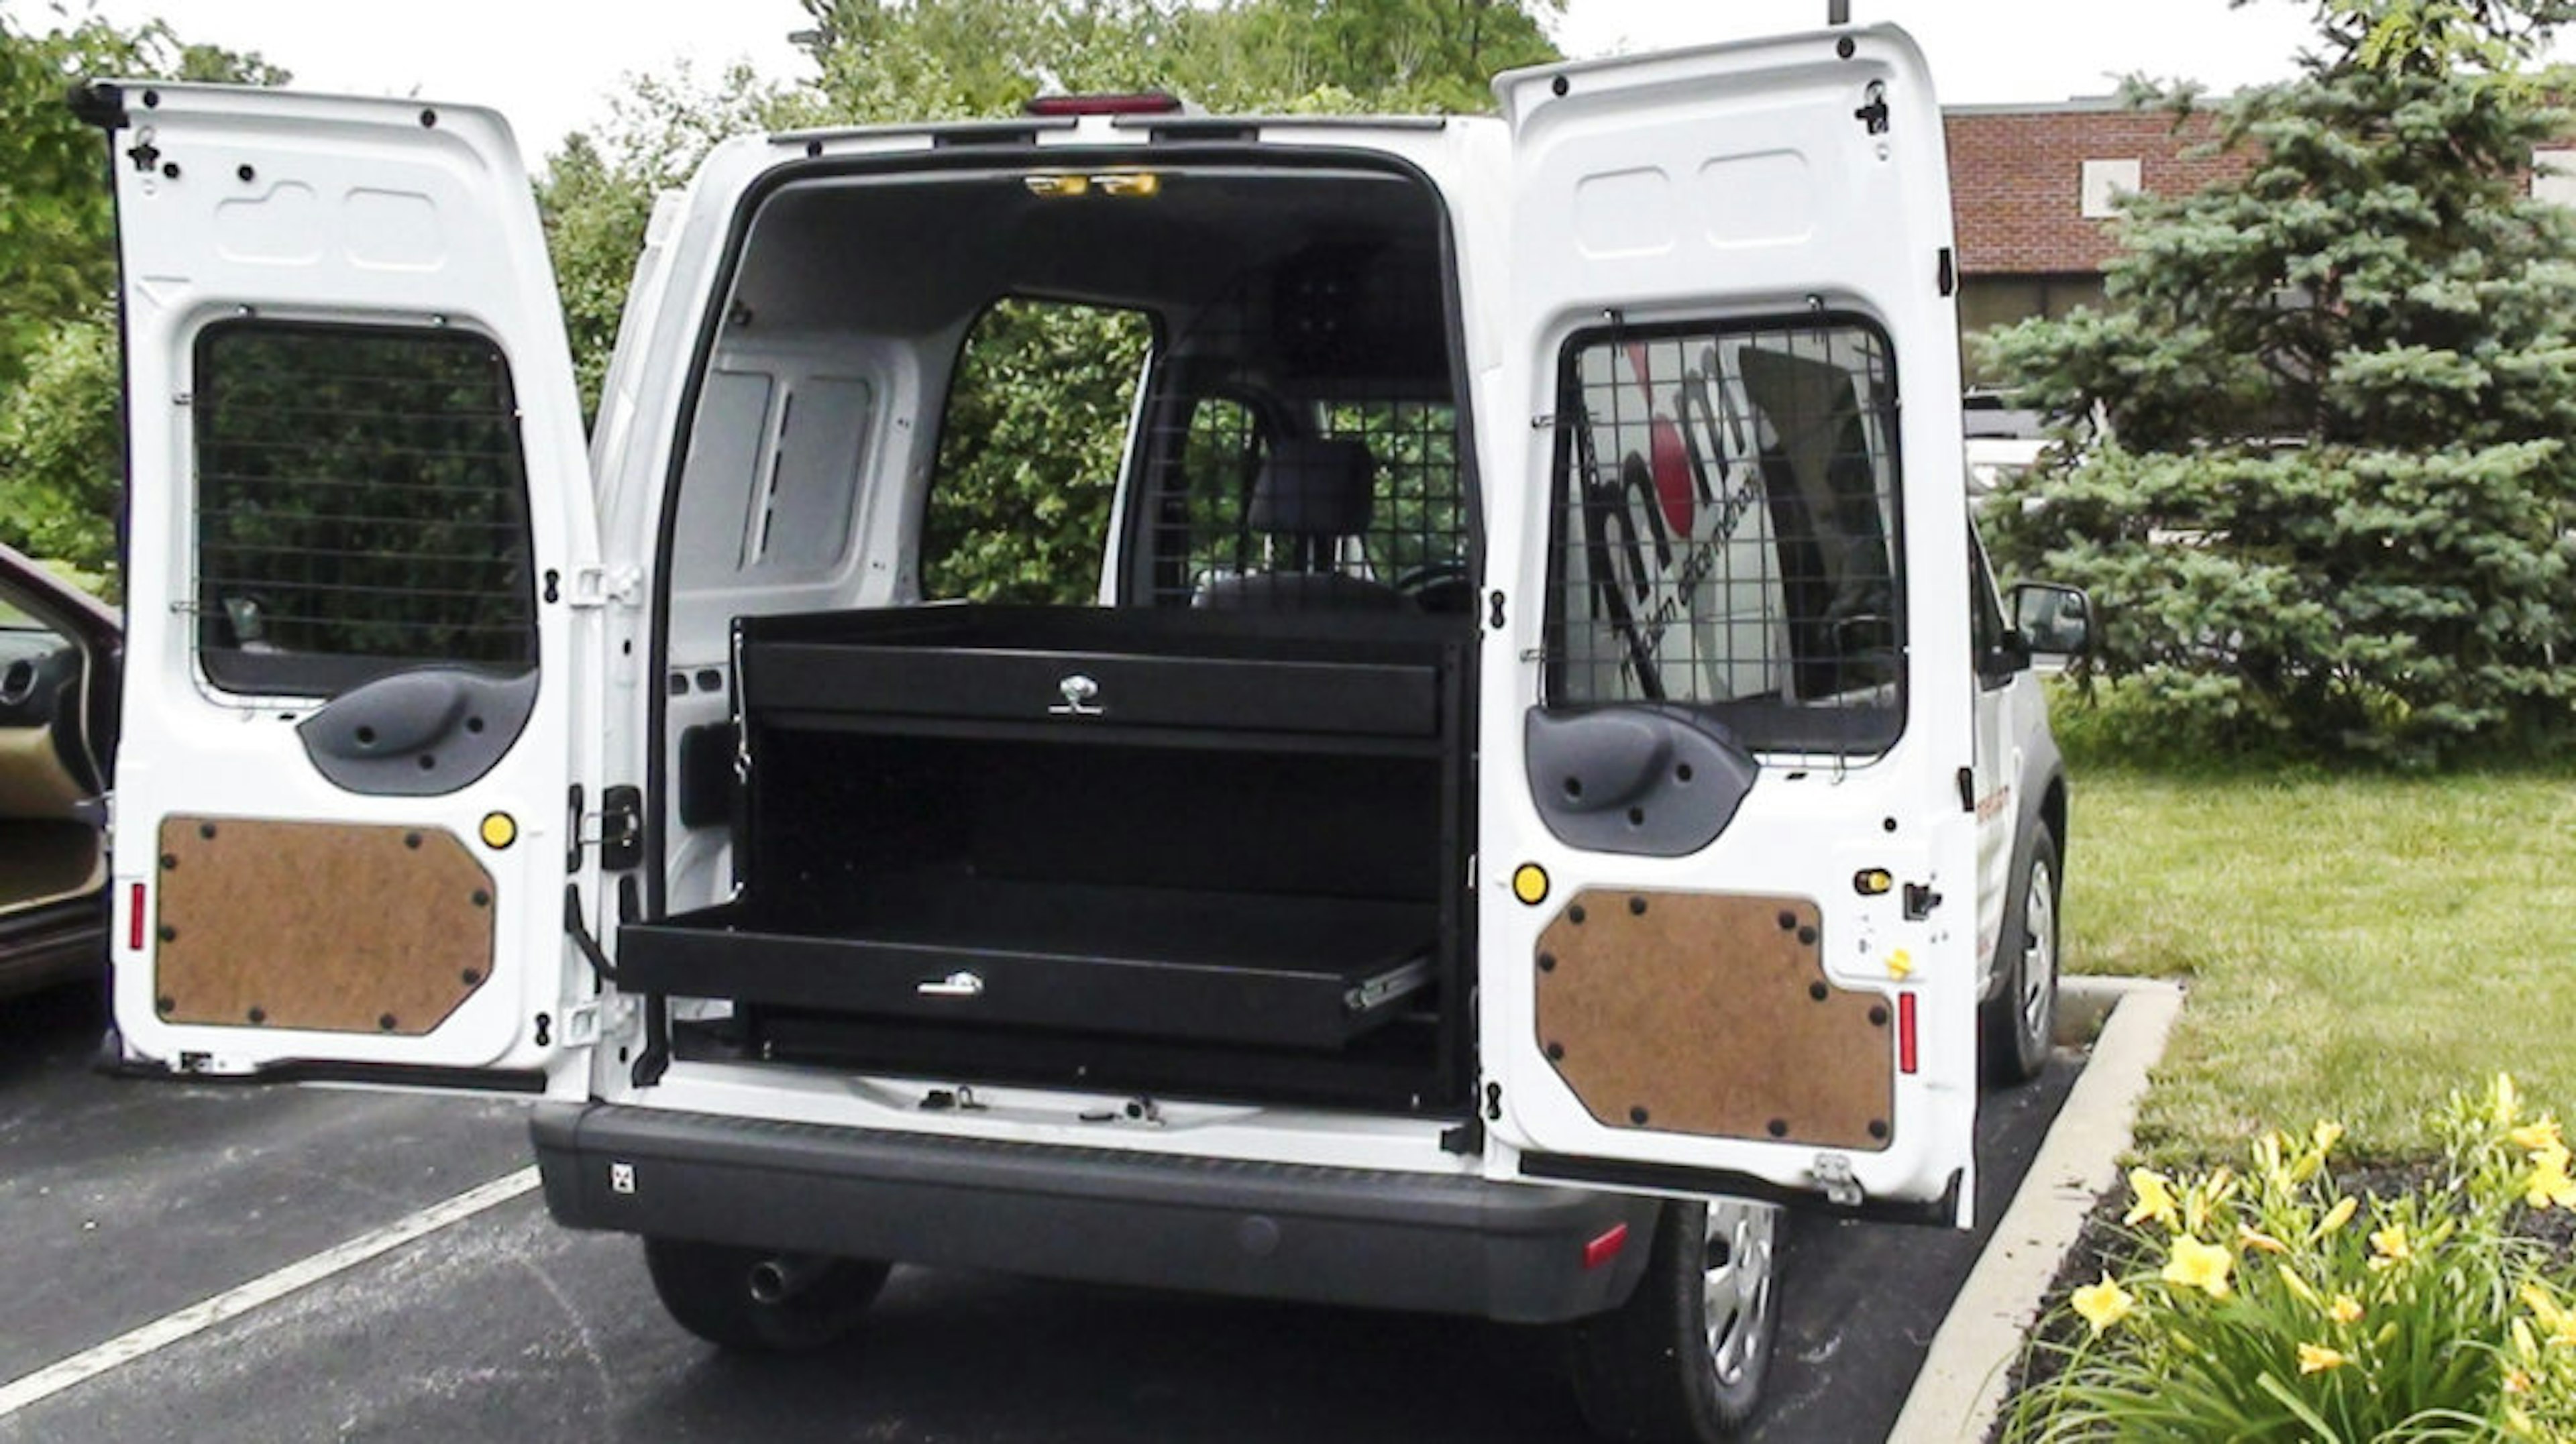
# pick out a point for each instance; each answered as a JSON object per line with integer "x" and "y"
{"x": 1194, "y": 822}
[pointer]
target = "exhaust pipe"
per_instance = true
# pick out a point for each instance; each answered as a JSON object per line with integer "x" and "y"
{"x": 776, "y": 1280}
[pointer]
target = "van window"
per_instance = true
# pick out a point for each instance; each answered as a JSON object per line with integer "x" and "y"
{"x": 1726, "y": 530}
{"x": 1029, "y": 453}
{"x": 361, "y": 506}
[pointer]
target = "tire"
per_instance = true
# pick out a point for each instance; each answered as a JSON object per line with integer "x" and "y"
{"x": 1683, "y": 1360}
{"x": 706, "y": 1289}
{"x": 2017, "y": 1025}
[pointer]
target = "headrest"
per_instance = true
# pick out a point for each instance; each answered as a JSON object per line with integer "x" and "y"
{"x": 1314, "y": 488}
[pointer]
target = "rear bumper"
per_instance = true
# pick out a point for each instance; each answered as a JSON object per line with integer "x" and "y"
{"x": 1512, "y": 1252}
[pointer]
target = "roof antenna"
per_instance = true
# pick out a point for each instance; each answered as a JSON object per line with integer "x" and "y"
{"x": 1837, "y": 12}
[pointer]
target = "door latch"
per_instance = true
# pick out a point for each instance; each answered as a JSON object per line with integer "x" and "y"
{"x": 1834, "y": 1175}
{"x": 599, "y": 586}
{"x": 621, "y": 827}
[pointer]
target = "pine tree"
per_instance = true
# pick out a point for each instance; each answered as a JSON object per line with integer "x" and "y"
{"x": 2333, "y": 506}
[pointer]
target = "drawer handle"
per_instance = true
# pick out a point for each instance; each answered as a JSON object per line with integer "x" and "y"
{"x": 955, "y": 985}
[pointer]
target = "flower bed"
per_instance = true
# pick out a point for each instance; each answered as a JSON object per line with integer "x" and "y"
{"x": 2291, "y": 1302}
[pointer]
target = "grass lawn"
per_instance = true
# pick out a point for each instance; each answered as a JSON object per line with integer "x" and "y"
{"x": 2356, "y": 947}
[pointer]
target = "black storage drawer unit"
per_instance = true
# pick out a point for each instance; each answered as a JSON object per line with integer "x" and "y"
{"x": 1229, "y": 830}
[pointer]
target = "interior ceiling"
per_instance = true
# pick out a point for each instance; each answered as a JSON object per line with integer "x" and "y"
{"x": 913, "y": 256}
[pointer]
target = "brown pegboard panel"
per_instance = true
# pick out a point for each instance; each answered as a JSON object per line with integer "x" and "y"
{"x": 343, "y": 929}
{"x": 1703, "y": 1013}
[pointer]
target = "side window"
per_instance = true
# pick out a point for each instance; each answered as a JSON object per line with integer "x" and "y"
{"x": 1985, "y": 610}
{"x": 1029, "y": 452}
{"x": 1202, "y": 523}
{"x": 1726, "y": 530}
{"x": 361, "y": 507}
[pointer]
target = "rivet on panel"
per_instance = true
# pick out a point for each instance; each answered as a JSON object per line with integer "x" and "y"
{"x": 1788, "y": 920}
{"x": 206, "y": 830}
{"x": 165, "y": 1004}
{"x": 1574, "y": 914}
{"x": 259, "y": 1015}
{"x": 1807, "y": 936}
{"x": 412, "y": 841}
{"x": 1878, "y": 1128}
{"x": 169, "y": 862}
{"x": 1547, "y": 962}
{"x": 385, "y": 1022}
{"x": 1777, "y": 1127}
{"x": 1878, "y": 1016}
{"x": 1555, "y": 1052}
{"x": 482, "y": 899}
{"x": 471, "y": 976}
{"x": 1819, "y": 991}
{"x": 1637, "y": 1115}
{"x": 168, "y": 933}
{"x": 1636, "y": 907}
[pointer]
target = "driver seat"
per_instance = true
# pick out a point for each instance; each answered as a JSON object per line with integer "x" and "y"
{"x": 1310, "y": 494}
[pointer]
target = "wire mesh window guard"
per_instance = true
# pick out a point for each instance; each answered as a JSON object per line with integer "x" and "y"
{"x": 1295, "y": 468}
{"x": 361, "y": 506}
{"x": 1727, "y": 530}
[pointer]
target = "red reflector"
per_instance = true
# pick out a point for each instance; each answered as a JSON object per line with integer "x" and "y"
{"x": 1142, "y": 102}
{"x": 134, "y": 923}
{"x": 1605, "y": 1248}
{"x": 1905, "y": 1032}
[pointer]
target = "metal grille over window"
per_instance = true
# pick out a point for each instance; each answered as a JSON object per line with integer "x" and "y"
{"x": 1311, "y": 438}
{"x": 1726, "y": 533}
{"x": 361, "y": 507}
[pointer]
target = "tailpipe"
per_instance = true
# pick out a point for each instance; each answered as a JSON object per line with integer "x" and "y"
{"x": 776, "y": 1280}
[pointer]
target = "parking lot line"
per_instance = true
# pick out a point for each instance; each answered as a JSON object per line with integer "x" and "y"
{"x": 170, "y": 1328}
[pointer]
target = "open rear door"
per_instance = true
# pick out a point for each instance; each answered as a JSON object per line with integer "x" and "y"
{"x": 359, "y": 554}
{"x": 1728, "y": 894}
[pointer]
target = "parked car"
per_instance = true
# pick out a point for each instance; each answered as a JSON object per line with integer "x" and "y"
{"x": 1536, "y": 784}
{"x": 58, "y": 677}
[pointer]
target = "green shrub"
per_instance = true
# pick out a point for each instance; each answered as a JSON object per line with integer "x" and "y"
{"x": 2277, "y": 1305}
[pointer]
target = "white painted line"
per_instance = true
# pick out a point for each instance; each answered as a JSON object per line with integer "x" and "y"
{"x": 1961, "y": 1387}
{"x": 198, "y": 1317}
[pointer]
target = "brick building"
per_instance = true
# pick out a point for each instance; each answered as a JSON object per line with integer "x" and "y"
{"x": 2031, "y": 189}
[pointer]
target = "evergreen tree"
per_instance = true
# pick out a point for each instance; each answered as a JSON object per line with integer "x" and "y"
{"x": 2334, "y": 503}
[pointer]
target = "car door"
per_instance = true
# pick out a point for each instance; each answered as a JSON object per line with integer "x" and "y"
{"x": 2002, "y": 669}
{"x": 360, "y": 568}
{"x": 57, "y": 701}
{"x": 1727, "y": 836}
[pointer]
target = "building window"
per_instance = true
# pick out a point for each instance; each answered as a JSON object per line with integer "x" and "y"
{"x": 2553, "y": 176}
{"x": 2105, "y": 181}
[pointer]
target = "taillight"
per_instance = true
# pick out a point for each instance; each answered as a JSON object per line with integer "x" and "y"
{"x": 134, "y": 920}
{"x": 1905, "y": 1033}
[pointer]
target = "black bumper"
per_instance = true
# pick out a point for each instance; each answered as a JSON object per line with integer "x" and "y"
{"x": 1512, "y": 1252}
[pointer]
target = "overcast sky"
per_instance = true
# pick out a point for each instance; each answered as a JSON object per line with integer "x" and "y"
{"x": 549, "y": 64}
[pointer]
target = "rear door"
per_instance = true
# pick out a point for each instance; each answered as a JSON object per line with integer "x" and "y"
{"x": 359, "y": 557}
{"x": 1728, "y": 891}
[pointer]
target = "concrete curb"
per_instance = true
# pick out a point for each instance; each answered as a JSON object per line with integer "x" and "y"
{"x": 1961, "y": 1388}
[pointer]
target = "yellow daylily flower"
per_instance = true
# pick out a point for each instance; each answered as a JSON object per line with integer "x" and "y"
{"x": 2538, "y": 1135}
{"x": 2549, "y": 1183}
{"x": 2197, "y": 1265}
{"x": 2259, "y": 1241}
{"x": 2155, "y": 1198}
{"x": 2326, "y": 1135}
{"x": 2391, "y": 1246}
{"x": 2337, "y": 1216}
{"x": 2103, "y": 1304}
{"x": 2317, "y": 1359}
{"x": 2558, "y": 1320}
{"x": 2267, "y": 1156}
{"x": 2345, "y": 1310}
{"x": 2508, "y": 1101}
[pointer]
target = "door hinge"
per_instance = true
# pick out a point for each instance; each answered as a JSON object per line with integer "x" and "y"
{"x": 621, "y": 827}
{"x": 599, "y": 586}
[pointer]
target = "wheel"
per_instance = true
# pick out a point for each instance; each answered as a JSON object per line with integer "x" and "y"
{"x": 2017, "y": 1024}
{"x": 1682, "y": 1361}
{"x": 707, "y": 1289}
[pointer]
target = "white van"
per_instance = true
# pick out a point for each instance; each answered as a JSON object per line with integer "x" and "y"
{"x": 1538, "y": 775}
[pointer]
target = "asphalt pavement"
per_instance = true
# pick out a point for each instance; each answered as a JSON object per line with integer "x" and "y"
{"x": 122, "y": 1201}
